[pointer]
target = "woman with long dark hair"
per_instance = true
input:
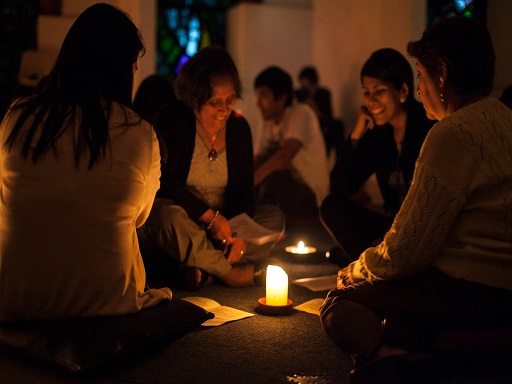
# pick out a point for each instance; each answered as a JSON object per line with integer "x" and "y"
{"x": 79, "y": 172}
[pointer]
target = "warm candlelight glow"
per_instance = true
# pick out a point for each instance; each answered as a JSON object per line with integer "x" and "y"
{"x": 300, "y": 249}
{"x": 277, "y": 286}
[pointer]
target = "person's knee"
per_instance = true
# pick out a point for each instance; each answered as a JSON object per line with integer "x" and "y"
{"x": 170, "y": 214}
{"x": 165, "y": 224}
{"x": 332, "y": 323}
{"x": 270, "y": 216}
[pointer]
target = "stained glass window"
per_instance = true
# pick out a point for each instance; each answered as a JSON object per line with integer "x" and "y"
{"x": 438, "y": 9}
{"x": 186, "y": 26}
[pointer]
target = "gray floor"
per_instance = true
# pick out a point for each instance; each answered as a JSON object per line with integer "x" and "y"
{"x": 259, "y": 349}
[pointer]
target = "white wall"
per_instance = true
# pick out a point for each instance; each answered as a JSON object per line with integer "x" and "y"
{"x": 51, "y": 30}
{"x": 336, "y": 36}
{"x": 260, "y": 35}
{"x": 345, "y": 33}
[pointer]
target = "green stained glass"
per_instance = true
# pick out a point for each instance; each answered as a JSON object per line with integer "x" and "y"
{"x": 438, "y": 9}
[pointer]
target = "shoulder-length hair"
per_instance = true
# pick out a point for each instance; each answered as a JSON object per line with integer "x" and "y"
{"x": 465, "y": 46}
{"x": 93, "y": 69}
{"x": 390, "y": 66}
{"x": 194, "y": 84}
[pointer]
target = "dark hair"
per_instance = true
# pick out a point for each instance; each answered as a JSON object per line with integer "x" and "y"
{"x": 466, "y": 47}
{"x": 506, "y": 96}
{"x": 390, "y": 66}
{"x": 309, "y": 73}
{"x": 278, "y": 81}
{"x": 153, "y": 92}
{"x": 93, "y": 69}
{"x": 194, "y": 84}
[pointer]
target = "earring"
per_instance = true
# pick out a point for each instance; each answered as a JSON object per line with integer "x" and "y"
{"x": 442, "y": 95}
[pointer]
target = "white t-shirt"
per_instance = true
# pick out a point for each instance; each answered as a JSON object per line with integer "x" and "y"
{"x": 299, "y": 122}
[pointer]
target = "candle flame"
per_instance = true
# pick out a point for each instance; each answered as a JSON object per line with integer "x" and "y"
{"x": 300, "y": 249}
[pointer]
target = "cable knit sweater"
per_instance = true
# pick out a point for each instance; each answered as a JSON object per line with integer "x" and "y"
{"x": 457, "y": 215}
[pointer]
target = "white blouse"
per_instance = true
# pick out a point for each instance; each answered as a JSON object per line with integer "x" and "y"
{"x": 68, "y": 242}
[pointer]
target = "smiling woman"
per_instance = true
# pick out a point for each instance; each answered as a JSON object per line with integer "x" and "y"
{"x": 211, "y": 117}
{"x": 445, "y": 264}
{"x": 386, "y": 141}
{"x": 208, "y": 178}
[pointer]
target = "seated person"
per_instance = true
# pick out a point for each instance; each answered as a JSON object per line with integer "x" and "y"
{"x": 154, "y": 92}
{"x": 79, "y": 172}
{"x": 290, "y": 162}
{"x": 386, "y": 141}
{"x": 319, "y": 99}
{"x": 207, "y": 178}
{"x": 446, "y": 262}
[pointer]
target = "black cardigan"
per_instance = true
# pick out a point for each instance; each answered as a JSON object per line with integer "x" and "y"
{"x": 176, "y": 125}
{"x": 376, "y": 152}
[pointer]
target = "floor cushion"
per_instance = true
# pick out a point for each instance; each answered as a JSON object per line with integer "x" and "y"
{"x": 84, "y": 344}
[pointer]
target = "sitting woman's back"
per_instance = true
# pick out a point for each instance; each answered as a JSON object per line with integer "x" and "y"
{"x": 79, "y": 173}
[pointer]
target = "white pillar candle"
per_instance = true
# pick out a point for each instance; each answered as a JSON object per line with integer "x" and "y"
{"x": 277, "y": 286}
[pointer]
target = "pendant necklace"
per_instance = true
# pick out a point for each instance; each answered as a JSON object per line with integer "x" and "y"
{"x": 212, "y": 155}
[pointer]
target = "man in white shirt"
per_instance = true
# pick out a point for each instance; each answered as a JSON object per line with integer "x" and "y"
{"x": 290, "y": 163}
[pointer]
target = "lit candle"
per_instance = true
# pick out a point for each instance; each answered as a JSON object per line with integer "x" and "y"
{"x": 300, "y": 249}
{"x": 277, "y": 286}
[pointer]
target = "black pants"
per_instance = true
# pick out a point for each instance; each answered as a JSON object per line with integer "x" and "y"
{"x": 352, "y": 226}
{"x": 409, "y": 313}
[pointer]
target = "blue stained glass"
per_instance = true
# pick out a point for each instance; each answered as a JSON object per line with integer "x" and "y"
{"x": 461, "y": 4}
{"x": 194, "y": 34}
{"x": 438, "y": 9}
{"x": 185, "y": 15}
{"x": 181, "y": 33}
{"x": 194, "y": 23}
{"x": 184, "y": 26}
{"x": 181, "y": 61}
{"x": 172, "y": 18}
{"x": 191, "y": 48}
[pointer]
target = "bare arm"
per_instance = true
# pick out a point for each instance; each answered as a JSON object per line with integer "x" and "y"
{"x": 280, "y": 160}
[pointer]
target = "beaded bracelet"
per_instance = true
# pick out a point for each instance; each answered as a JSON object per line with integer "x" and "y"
{"x": 212, "y": 221}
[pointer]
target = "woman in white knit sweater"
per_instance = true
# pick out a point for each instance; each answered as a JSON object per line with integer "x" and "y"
{"x": 446, "y": 262}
